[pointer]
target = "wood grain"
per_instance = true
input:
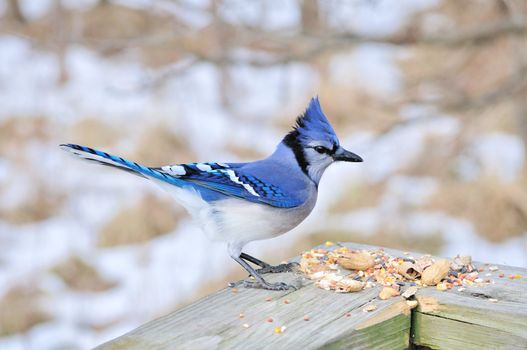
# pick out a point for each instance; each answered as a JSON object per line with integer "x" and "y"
{"x": 493, "y": 316}
{"x": 443, "y": 320}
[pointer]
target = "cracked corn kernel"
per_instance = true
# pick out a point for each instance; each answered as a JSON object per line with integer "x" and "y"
{"x": 279, "y": 330}
{"x": 412, "y": 303}
{"x": 387, "y": 293}
{"x": 369, "y": 308}
{"x": 329, "y": 243}
{"x": 442, "y": 287}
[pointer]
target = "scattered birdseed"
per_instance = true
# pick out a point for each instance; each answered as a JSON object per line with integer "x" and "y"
{"x": 461, "y": 289}
{"x": 246, "y": 325}
{"x": 306, "y": 318}
{"x": 329, "y": 243}
{"x": 269, "y": 319}
{"x": 442, "y": 286}
{"x": 344, "y": 270}
{"x": 268, "y": 299}
{"x": 412, "y": 303}
{"x": 493, "y": 268}
{"x": 492, "y": 300}
{"x": 409, "y": 292}
{"x": 370, "y": 308}
{"x": 348, "y": 314}
{"x": 241, "y": 315}
{"x": 387, "y": 293}
{"x": 279, "y": 330}
{"x": 234, "y": 290}
{"x": 501, "y": 275}
{"x": 286, "y": 301}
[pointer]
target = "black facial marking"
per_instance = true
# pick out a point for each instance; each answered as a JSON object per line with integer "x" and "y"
{"x": 334, "y": 149}
{"x": 291, "y": 141}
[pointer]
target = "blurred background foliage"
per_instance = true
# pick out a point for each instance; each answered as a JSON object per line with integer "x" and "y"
{"x": 433, "y": 94}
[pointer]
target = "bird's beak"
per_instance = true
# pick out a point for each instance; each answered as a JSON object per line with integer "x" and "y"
{"x": 346, "y": 156}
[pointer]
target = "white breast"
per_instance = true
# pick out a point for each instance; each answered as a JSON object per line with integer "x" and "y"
{"x": 237, "y": 220}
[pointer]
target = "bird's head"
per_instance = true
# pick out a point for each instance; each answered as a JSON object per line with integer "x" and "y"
{"x": 315, "y": 144}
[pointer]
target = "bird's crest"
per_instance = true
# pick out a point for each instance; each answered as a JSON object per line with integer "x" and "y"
{"x": 312, "y": 125}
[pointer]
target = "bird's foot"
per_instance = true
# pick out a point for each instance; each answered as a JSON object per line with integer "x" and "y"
{"x": 278, "y": 268}
{"x": 260, "y": 285}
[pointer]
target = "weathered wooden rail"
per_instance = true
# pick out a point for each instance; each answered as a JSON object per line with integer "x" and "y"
{"x": 493, "y": 316}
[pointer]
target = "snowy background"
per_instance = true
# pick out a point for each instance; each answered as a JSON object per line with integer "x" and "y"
{"x": 432, "y": 94}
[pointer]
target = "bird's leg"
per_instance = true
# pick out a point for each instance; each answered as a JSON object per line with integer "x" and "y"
{"x": 268, "y": 268}
{"x": 288, "y": 267}
{"x": 254, "y": 260}
{"x": 260, "y": 282}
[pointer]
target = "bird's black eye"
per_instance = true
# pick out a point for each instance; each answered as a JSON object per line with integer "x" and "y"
{"x": 321, "y": 149}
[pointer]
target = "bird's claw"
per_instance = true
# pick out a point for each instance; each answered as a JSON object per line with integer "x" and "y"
{"x": 278, "y": 268}
{"x": 259, "y": 285}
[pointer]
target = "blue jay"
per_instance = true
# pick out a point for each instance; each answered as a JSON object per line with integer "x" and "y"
{"x": 242, "y": 202}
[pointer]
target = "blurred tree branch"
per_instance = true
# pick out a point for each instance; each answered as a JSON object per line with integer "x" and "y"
{"x": 225, "y": 44}
{"x": 516, "y": 84}
{"x": 286, "y": 46}
{"x": 519, "y": 65}
{"x": 13, "y": 11}
{"x": 475, "y": 36}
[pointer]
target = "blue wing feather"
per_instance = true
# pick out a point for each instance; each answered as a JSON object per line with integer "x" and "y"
{"x": 245, "y": 185}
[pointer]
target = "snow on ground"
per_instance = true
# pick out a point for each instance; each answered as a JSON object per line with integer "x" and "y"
{"x": 151, "y": 278}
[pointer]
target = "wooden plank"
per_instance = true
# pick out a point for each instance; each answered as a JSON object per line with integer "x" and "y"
{"x": 443, "y": 320}
{"x": 214, "y": 323}
{"x": 336, "y": 321}
{"x": 472, "y": 319}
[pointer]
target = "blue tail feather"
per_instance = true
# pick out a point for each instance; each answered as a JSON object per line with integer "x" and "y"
{"x": 104, "y": 158}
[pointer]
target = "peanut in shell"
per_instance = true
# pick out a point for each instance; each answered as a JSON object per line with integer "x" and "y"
{"x": 435, "y": 273}
{"x": 356, "y": 261}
